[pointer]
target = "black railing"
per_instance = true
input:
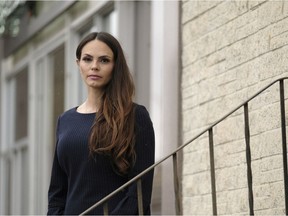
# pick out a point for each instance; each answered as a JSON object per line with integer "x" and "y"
{"x": 137, "y": 178}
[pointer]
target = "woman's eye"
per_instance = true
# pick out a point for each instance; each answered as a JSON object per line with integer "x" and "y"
{"x": 87, "y": 59}
{"x": 104, "y": 60}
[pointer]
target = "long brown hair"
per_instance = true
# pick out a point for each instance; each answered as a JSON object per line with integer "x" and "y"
{"x": 113, "y": 131}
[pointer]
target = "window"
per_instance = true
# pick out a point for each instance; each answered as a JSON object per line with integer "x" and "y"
{"x": 21, "y": 105}
{"x": 16, "y": 167}
{"x": 57, "y": 60}
{"x": 49, "y": 91}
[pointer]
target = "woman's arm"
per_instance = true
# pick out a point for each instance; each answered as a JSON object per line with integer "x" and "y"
{"x": 145, "y": 157}
{"x": 58, "y": 185}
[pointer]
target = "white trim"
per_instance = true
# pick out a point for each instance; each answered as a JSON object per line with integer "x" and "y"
{"x": 32, "y": 133}
{"x": 11, "y": 113}
{"x": 3, "y": 184}
{"x": 16, "y": 204}
{"x": 40, "y": 134}
{"x": 48, "y": 46}
{"x": 19, "y": 144}
{"x": 4, "y": 111}
{"x": 95, "y": 7}
{"x": 45, "y": 150}
{"x": 126, "y": 20}
{"x": 164, "y": 90}
{"x": 13, "y": 188}
{"x": 10, "y": 72}
{"x": 3, "y": 144}
{"x": 72, "y": 76}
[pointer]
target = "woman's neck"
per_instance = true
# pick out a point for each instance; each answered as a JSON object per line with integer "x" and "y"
{"x": 92, "y": 103}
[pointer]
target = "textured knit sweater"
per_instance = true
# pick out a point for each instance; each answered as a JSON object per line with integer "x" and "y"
{"x": 78, "y": 180}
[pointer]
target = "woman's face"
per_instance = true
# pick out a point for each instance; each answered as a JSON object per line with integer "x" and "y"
{"x": 96, "y": 64}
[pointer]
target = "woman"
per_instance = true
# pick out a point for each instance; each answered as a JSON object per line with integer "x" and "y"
{"x": 104, "y": 142}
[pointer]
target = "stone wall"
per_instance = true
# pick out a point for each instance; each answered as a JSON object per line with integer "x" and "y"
{"x": 230, "y": 50}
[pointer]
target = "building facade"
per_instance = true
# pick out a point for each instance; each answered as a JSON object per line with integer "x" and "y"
{"x": 230, "y": 50}
{"x": 192, "y": 62}
{"x": 40, "y": 80}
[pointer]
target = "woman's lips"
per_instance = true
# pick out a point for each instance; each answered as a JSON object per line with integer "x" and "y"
{"x": 94, "y": 77}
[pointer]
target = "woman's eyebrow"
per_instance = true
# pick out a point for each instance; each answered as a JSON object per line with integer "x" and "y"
{"x": 87, "y": 55}
{"x": 102, "y": 56}
{"x": 105, "y": 56}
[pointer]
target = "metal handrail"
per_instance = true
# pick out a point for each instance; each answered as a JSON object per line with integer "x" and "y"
{"x": 209, "y": 129}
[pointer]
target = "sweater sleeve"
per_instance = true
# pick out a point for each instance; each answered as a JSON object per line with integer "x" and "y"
{"x": 145, "y": 157}
{"x": 58, "y": 185}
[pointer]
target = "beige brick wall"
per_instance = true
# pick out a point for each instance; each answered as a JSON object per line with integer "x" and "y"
{"x": 230, "y": 50}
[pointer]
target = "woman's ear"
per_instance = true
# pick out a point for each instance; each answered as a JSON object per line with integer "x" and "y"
{"x": 77, "y": 61}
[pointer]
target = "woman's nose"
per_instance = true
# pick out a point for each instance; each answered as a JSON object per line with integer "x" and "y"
{"x": 95, "y": 65}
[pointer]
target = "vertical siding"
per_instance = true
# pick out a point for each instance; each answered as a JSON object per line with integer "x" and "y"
{"x": 231, "y": 49}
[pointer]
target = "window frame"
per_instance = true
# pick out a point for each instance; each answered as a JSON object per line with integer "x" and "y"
{"x": 11, "y": 150}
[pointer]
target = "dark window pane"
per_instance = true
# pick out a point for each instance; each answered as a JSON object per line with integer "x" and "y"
{"x": 21, "y": 109}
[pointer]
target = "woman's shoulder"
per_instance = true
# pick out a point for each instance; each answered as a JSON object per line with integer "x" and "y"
{"x": 65, "y": 118}
{"x": 72, "y": 115}
{"x": 69, "y": 112}
{"x": 142, "y": 116}
{"x": 141, "y": 111}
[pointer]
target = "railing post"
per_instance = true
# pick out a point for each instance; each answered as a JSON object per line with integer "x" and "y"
{"x": 248, "y": 159}
{"x": 212, "y": 169}
{"x": 284, "y": 145}
{"x": 140, "y": 197}
{"x": 176, "y": 185}
{"x": 105, "y": 208}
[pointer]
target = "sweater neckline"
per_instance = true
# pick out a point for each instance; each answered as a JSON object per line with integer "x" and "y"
{"x": 75, "y": 109}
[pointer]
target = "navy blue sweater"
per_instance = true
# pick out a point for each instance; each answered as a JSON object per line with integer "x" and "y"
{"x": 78, "y": 180}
